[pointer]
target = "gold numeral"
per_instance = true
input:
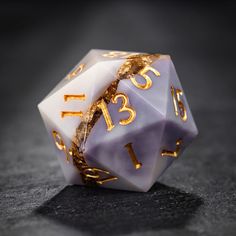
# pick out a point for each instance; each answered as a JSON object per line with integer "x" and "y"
{"x": 105, "y": 180}
{"x": 103, "y": 106}
{"x": 114, "y": 54}
{"x": 60, "y": 144}
{"x": 132, "y": 155}
{"x": 71, "y": 113}
{"x": 73, "y": 97}
{"x": 175, "y": 153}
{"x": 178, "y": 105}
{"x": 92, "y": 173}
{"x": 148, "y": 80}
{"x": 125, "y": 107}
{"x": 75, "y": 72}
{"x": 118, "y": 54}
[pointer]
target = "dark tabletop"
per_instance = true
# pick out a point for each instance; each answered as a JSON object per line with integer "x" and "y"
{"x": 40, "y": 43}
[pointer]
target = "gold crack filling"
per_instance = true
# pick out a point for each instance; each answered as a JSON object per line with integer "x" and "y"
{"x": 128, "y": 69}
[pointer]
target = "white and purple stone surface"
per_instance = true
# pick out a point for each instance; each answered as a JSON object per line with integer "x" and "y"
{"x": 155, "y": 127}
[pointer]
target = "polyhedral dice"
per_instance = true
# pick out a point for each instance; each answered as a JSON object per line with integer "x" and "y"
{"x": 118, "y": 119}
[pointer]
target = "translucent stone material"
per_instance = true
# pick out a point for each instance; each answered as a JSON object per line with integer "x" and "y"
{"x": 118, "y": 119}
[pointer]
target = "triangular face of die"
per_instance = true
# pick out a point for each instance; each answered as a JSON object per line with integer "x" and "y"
{"x": 177, "y": 127}
{"x": 118, "y": 149}
{"x": 90, "y": 85}
{"x": 157, "y": 73}
{"x": 178, "y": 110}
{"x": 89, "y": 60}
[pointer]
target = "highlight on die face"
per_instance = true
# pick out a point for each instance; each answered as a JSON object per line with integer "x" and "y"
{"x": 118, "y": 119}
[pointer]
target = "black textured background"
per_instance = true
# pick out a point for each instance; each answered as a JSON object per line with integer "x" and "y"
{"x": 40, "y": 42}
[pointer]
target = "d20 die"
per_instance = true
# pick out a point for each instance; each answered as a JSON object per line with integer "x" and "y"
{"x": 119, "y": 119}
